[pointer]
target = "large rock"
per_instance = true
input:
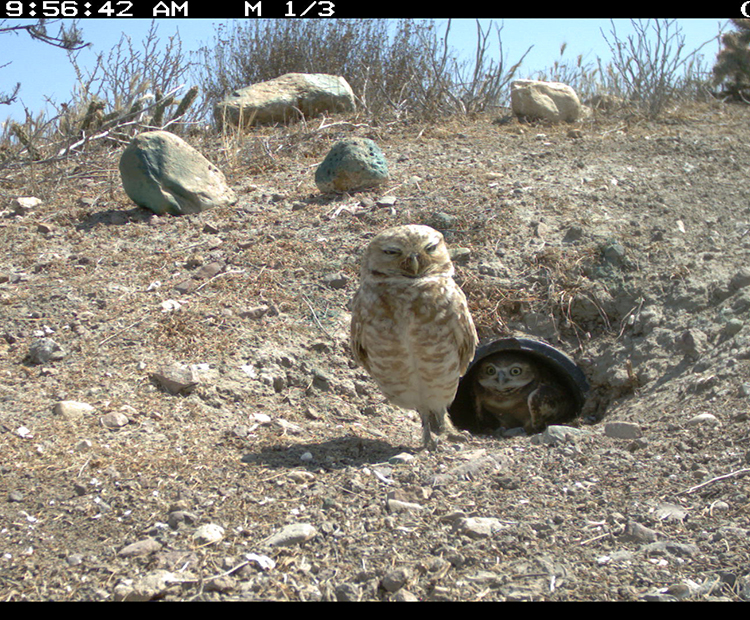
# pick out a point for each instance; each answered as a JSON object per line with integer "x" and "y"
{"x": 163, "y": 173}
{"x": 549, "y": 101}
{"x": 283, "y": 98}
{"x": 352, "y": 164}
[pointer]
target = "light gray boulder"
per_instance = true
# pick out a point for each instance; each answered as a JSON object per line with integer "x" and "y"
{"x": 352, "y": 164}
{"x": 284, "y": 98}
{"x": 163, "y": 173}
{"x": 550, "y": 101}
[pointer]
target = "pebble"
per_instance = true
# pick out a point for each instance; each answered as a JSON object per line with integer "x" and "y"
{"x": 400, "y": 459}
{"x": 622, "y": 430}
{"x": 478, "y": 527}
{"x": 84, "y": 445}
{"x": 395, "y": 505}
{"x": 707, "y": 419}
{"x": 142, "y": 547}
{"x": 44, "y": 350}
{"x": 395, "y": 579}
{"x": 148, "y": 587}
{"x": 72, "y": 409}
{"x": 177, "y": 378}
{"x": 208, "y": 534}
{"x": 638, "y": 533}
{"x": 557, "y": 434}
{"x": 23, "y": 204}
{"x": 115, "y": 420}
{"x": 294, "y": 534}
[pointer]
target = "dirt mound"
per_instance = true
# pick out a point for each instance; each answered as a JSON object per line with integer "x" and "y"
{"x": 279, "y": 472}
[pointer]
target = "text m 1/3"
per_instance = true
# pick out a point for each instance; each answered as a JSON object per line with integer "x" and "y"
{"x": 295, "y": 8}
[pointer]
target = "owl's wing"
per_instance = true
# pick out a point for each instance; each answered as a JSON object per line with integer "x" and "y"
{"x": 465, "y": 333}
{"x": 547, "y": 403}
{"x": 356, "y": 342}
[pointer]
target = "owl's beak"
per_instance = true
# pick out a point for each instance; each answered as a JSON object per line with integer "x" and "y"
{"x": 411, "y": 264}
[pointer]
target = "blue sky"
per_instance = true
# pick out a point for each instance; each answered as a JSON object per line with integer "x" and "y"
{"x": 45, "y": 71}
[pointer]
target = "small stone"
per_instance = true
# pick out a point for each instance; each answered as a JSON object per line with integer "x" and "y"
{"x": 224, "y": 584}
{"x": 704, "y": 419}
{"x": 558, "y": 434}
{"x": 15, "y": 496}
{"x": 142, "y": 547}
{"x": 23, "y": 204}
{"x": 460, "y": 255}
{"x": 177, "y": 378}
{"x": 255, "y": 312}
{"x": 638, "y": 533}
{"x": 336, "y": 280}
{"x": 44, "y": 350}
{"x": 478, "y": 527}
{"x": 115, "y": 420}
{"x": 404, "y": 596}
{"x": 396, "y": 505}
{"x": 741, "y": 279}
{"x": 84, "y": 445}
{"x": 294, "y": 534}
{"x": 71, "y": 409}
{"x": 177, "y": 517}
{"x": 395, "y": 579}
{"x": 386, "y": 201}
{"x": 573, "y": 234}
{"x": 399, "y": 459}
{"x": 208, "y": 534}
{"x": 622, "y": 430}
{"x": 150, "y": 586}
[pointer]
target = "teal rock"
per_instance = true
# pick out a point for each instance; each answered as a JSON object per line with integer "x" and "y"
{"x": 163, "y": 173}
{"x": 352, "y": 164}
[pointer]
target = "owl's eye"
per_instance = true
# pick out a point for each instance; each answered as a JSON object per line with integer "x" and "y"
{"x": 391, "y": 251}
{"x": 515, "y": 371}
{"x": 431, "y": 248}
{"x": 490, "y": 370}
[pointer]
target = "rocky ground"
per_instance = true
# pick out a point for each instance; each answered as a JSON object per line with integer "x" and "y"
{"x": 229, "y": 449}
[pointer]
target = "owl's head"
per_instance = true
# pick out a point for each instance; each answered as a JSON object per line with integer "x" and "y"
{"x": 504, "y": 372}
{"x": 410, "y": 251}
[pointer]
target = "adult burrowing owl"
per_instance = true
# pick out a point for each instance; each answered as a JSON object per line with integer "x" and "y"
{"x": 516, "y": 390}
{"x": 411, "y": 328}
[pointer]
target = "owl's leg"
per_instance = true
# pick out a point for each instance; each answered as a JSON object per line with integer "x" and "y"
{"x": 429, "y": 439}
{"x": 436, "y": 423}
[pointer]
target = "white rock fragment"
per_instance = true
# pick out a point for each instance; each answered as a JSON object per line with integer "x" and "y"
{"x": 622, "y": 430}
{"x": 208, "y": 534}
{"x": 479, "y": 527}
{"x": 139, "y": 548}
{"x": 150, "y": 586}
{"x": 707, "y": 419}
{"x": 72, "y": 409}
{"x": 23, "y": 204}
{"x": 294, "y": 534}
{"x": 261, "y": 561}
{"x": 115, "y": 420}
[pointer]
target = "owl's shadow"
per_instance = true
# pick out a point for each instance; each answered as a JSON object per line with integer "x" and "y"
{"x": 338, "y": 453}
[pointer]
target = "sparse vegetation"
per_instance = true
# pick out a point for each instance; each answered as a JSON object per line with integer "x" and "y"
{"x": 407, "y": 69}
{"x": 732, "y": 69}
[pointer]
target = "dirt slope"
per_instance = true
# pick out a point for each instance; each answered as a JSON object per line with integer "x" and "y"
{"x": 625, "y": 244}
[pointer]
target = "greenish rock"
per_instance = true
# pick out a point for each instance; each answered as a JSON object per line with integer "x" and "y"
{"x": 163, "y": 173}
{"x": 352, "y": 164}
{"x": 285, "y": 98}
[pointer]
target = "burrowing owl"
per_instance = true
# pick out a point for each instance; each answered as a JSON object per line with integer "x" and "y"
{"x": 516, "y": 390}
{"x": 411, "y": 328}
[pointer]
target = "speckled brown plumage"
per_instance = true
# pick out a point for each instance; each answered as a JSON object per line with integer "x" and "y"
{"x": 411, "y": 328}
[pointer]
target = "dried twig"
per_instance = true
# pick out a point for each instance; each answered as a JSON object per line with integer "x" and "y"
{"x": 731, "y": 474}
